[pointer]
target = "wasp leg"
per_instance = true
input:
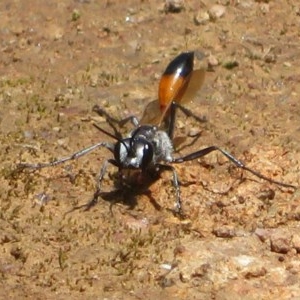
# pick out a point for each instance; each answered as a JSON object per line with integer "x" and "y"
{"x": 112, "y": 121}
{"x": 87, "y": 206}
{"x": 97, "y": 193}
{"x": 172, "y": 119}
{"x": 178, "y": 203}
{"x": 237, "y": 162}
{"x": 189, "y": 113}
{"x": 68, "y": 158}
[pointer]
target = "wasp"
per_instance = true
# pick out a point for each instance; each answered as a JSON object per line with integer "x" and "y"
{"x": 148, "y": 148}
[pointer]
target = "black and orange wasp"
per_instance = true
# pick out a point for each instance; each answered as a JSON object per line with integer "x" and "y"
{"x": 148, "y": 148}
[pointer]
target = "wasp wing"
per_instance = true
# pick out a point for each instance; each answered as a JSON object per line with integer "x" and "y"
{"x": 152, "y": 113}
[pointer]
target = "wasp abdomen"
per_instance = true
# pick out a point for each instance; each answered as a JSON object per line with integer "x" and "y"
{"x": 175, "y": 79}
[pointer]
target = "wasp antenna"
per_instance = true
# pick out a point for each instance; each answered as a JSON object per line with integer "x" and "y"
{"x": 107, "y": 132}
{"x": 120, "y": 140}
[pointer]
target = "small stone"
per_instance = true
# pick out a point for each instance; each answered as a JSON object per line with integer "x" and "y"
{"x": 201, "y": 18}
{"x": 194, "y": 131}
{"x": 174, "y": 6}
{"x": 56, "y": 129}
{"x": 62, "y": 142}
{"x": 201, "y": 271}
{"x": 179, "y": 250}
{"x": 184, "y": 277}
{"x": 265, "y": 8}
{"x": 212, "y": 61}
{"x": 296, "y": 243}
{"x": 255, "y": 271}
{"x": 216, "y": 12}
{"x": 280, "y": 242}
{"x": 263, "y": 234}
{"x": 180, "y": 124}
{"x": 224, "y": 232}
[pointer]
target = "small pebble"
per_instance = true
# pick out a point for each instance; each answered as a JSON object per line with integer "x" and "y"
{"x": 201, "y": 18}
{"x": 212, "y": 61}
{"x": 174, "y": 6}
{"x": 296, "y": 243}
{"x": 216, "y": 12}
{"x": 224, "y": 232}
{"x": 280, "y": 242}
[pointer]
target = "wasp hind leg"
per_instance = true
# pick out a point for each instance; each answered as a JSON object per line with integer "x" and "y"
{"x": 172, "y": 118}
{"x": 234, "y": 160}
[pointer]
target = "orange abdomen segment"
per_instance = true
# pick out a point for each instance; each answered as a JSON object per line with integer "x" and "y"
{"x": 175, "y": 79}
{"x": 171, "y": 88}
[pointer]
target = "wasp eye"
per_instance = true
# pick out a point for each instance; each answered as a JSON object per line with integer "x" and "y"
{"x": 121, "y": 151}
{"x": 147, "y": 155}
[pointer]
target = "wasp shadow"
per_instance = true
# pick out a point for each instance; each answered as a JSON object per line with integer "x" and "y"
{"x": 126, "y": 193}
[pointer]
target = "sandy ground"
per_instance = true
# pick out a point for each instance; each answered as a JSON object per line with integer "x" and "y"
{"x": 240, "y": 238}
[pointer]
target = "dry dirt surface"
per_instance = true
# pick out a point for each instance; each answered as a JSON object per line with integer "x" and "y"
{"x": 240, "y": 237}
